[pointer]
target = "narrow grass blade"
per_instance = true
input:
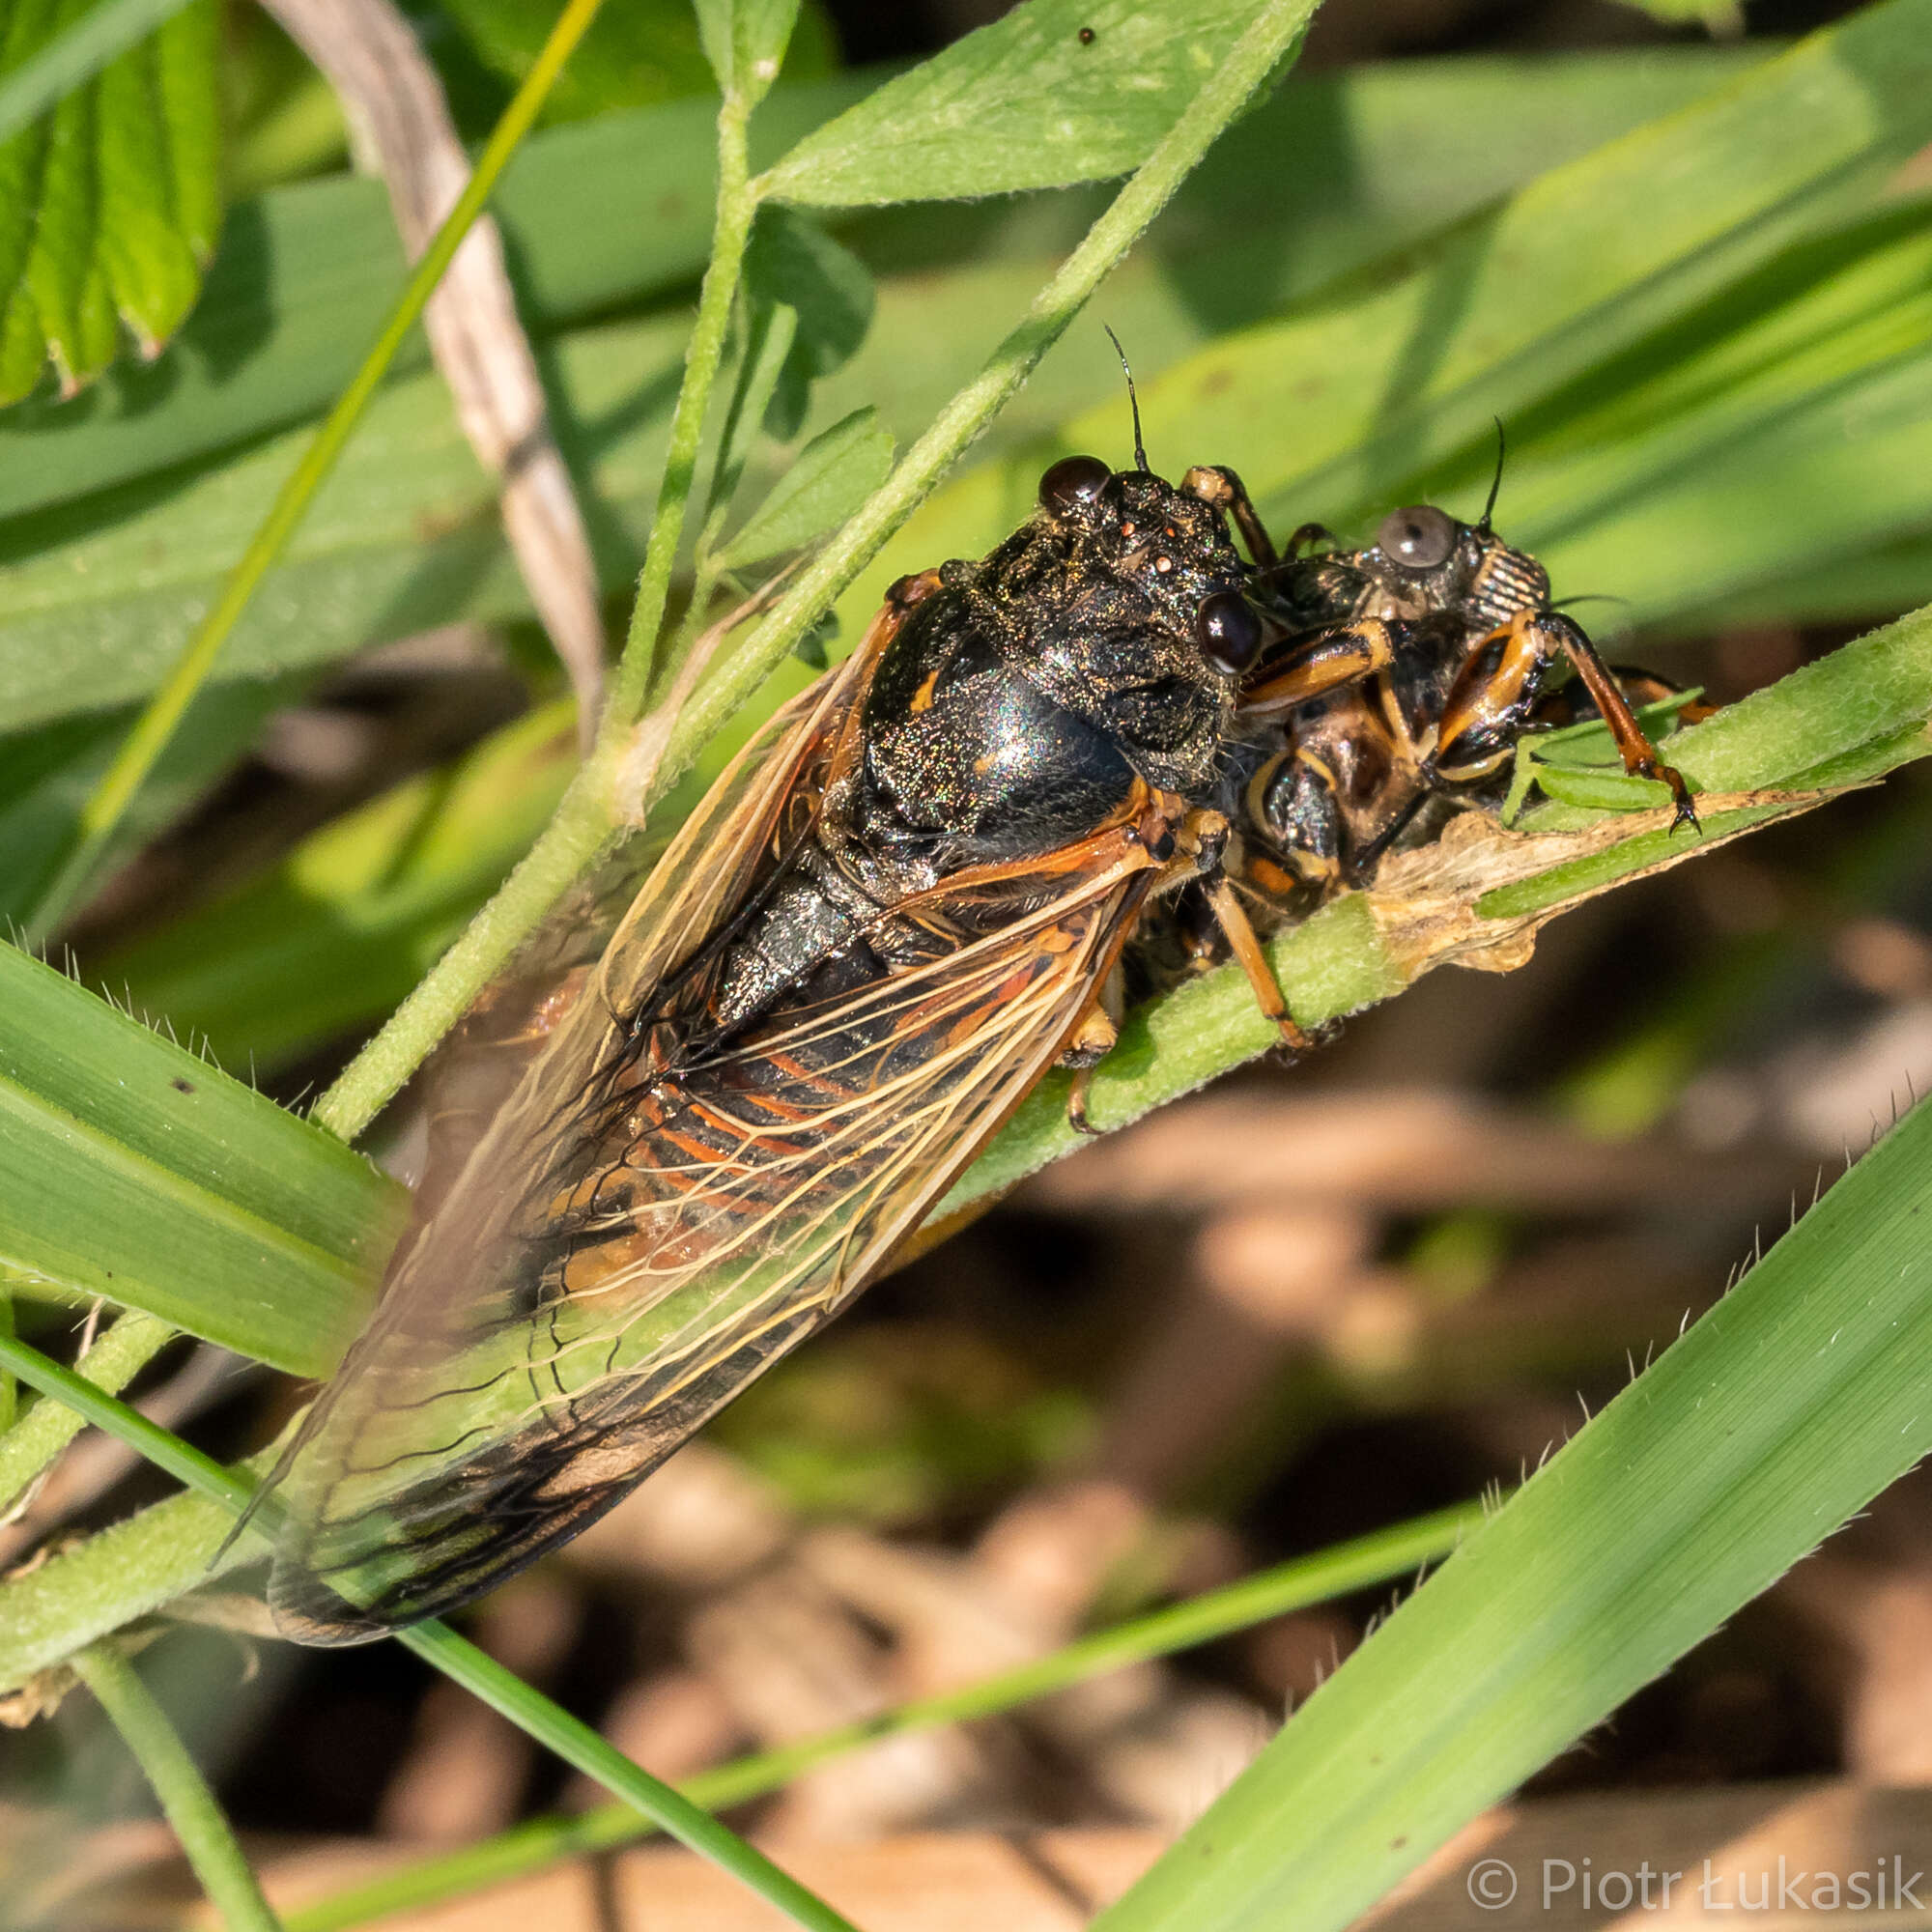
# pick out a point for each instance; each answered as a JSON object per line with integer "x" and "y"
{"x": 1786, "y": 1408}
{"x": 129, "y": 1343}
{"x": 1385, "y": 1556}
{"x": 503, "y": 1689}
{"x": 201, "y": 1827}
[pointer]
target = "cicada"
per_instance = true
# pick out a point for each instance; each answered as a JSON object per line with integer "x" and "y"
{"x": 1396, "y": 683}
{"x": 893, "y": 913}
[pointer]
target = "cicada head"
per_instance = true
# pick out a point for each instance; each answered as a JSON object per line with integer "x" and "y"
{"x": 1424, "y": 562}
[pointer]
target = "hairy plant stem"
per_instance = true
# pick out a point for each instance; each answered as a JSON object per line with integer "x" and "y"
{"x": 199, "y": 1822}
{"x": 588, "y": 815}
{"x": 732, "y": 231}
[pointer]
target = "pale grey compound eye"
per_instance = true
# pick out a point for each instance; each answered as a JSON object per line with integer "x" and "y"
{"x": 1418, "y": 538}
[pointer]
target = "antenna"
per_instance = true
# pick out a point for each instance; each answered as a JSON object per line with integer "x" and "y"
{"x": 1496, "y": 481}
{"x": 1134, "y": 401}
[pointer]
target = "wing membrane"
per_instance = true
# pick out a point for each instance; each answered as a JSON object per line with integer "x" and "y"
{"x": 663, "y": 1208}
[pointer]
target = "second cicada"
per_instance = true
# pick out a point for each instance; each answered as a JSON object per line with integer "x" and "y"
{"x": 891, "y": 916}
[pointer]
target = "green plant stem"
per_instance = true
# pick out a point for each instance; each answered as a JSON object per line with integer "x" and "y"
{"x": 32, "y": 1442}
{"x": 1356, "y": 1565}
{"x": 585, "y": 819}
{"x": 530, "y": 1710}
{"x": 732, "y": 231}
{"x": 97, "y": 38}
{"x": 199, "y": 1822}
{"x": 107, "y": 805}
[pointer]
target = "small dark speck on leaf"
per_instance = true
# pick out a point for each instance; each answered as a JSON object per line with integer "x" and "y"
{"x": 1087, "y": 37}
{"x": 1396, "y": 1845}
{"x": 182, "y": 1086}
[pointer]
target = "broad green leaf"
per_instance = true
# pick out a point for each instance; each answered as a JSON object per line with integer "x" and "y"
{"x": 108, "y": 206}
{"x": 404, "y": 535}
{"x": 1583, "y": 265}
{"x": 596, "y": 215}
{"x": 1791, "y": 1403}
{"x": 745, "y": 42}
{"x": 835, "y": 472}
{"x": 105, "y": 592}
{"x": 1324, "y": 176}
{"x": 134, "y": 1170}
{"x": 1059, "y": 91}
{"x": 792, "y": 263}
{"x": 1626, "y": 265}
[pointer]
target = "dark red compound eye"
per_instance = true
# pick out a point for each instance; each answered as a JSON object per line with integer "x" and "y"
{"x": 1229, "y": 633}
{"x": 1072, "y": 483}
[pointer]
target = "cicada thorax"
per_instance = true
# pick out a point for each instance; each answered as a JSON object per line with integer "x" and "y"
{"x": 882, "y": 926}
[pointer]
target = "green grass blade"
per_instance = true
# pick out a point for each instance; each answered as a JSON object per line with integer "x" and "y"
{"x": 579, "y": 1746}
{"x": 132, "y": 1169}
{"x": 129, "y": 1343}
{"x": 341, "y": 929}
{"x": 1782, "y": 1413}
{"x": 1384, "y": 1556}
{"x": 1390, "y": 381}
{"x": 198, "y": 1820}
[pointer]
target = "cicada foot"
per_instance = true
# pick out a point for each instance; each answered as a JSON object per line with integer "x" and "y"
{"x": 1076, "y": 1102}
{"x": 1680, "y": 793}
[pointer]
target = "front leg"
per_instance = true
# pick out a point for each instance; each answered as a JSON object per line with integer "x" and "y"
{"x": 1496, "y": 694}
{"x": 1328, "y": 661}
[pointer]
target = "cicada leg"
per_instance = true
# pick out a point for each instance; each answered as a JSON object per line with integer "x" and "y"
{"x": 1326, "y": 662}
{"x": 1246, "y": 948}
{"x": 1496, "y": 692}
{"x": 1214, "y": 483}
{"x": 1092, "y": 1040}
{"x": 1639, "y": 686}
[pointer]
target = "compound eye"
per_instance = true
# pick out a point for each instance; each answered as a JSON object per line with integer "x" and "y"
{"x": 1418, "y": 538}
{"x": 1073, "y": 483}
{"x": 1229, "y": 633}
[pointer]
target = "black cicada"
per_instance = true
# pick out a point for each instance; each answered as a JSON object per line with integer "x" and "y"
{"x": 894, "y": 912}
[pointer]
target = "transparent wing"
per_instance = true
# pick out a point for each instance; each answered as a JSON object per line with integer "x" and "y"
{"x": 652, "y": 1220}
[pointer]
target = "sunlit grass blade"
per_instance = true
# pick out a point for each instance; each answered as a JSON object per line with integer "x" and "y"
{"x": 131, "y": 1169}
{"x": 1783, "y": 1410}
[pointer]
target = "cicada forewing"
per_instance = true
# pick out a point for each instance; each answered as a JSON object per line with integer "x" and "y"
{"x": 662, "y": 1208}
